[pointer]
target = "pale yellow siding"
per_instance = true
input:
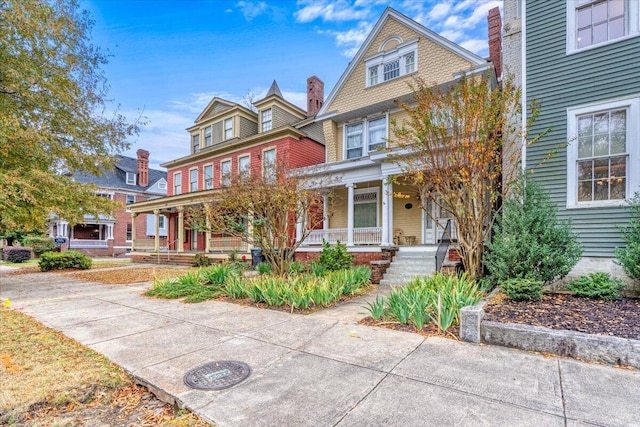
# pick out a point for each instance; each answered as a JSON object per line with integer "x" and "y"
{"x": 435, "y": 64}
{"x": 330, "y": 137}
{"x": 338, "y": 217}
{"x": 409, "y": 221}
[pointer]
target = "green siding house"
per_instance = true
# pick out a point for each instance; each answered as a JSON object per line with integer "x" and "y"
{"x": 580, "y": 59}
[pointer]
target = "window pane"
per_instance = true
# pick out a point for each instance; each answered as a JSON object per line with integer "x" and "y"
{"x": 601, "y": 190}
{"x": 616, "y": 8}
{"x": 599, "y": 12}
{"x": 618, "y": 167}
{"x": 600, "y": 33}
{"x": 373, "y": 76}
{"x": 616, "y": 28}
{"x": 364, "y": 215}
{"x": 585, "y": 147}
{"x": 584, "y": 37}
{"x": 377, "y": 133}
{"x": 601, "y": 145}
{"x": 601, "y": 169}
{"x": 584, "y": 170}
{"x": 601, "y": 122}
{"x": 585, "y": 191}
{"x": 585, "y": 126}
{"x": 584, "y": 17}
{"x": 410, "y": 62}
{"x": 618, "y": 121}
{"x": 353, "y": 153}
{"x": 392, "y": 70}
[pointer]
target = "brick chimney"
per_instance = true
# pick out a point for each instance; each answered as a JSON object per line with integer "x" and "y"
{"x": 143, "y": 167}
{"x": 315, "y": 95}
{"x": 495, "y": 39}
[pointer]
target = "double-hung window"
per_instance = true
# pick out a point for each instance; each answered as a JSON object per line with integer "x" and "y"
{"x": 207, "y": 136}
{"x": 602, "y": 153}
{"x": 266, "y": 120}
{"x": 195, "y": 142}
{"x": 364, "y": 137}
{"x": 208, "y": 177}
{"x": 193, "y": 180}
{"x": 177, "y": 183}
{"x": 269, "y": 165}
{"x": 131, "y": 198}
{"x": 225, "y": 172}
{"x": 131, "y": 178}
{"x": 244, "y": 166}
{"x": 228, "y": 128}
{"x": 596, "y": 22}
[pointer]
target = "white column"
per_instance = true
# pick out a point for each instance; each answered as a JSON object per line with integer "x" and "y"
{"x": 109, "y": 232}
{"x": 180, "y": 236}
{"x": 385, "y": 212}
{"x": 325, "y": 212}
{"x": 133, "y": 230}
{"x": 390, "y": 219}
{"x": 207, "y": 235}
{"x": 298, "y": 230}
{"x": 350, "y": 214}
{"x": 156, "y": 246}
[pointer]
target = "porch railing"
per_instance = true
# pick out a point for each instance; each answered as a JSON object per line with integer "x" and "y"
{"x": 227, "y": 244}
{"x": 443, "y": 246}
{"x": 86, "y": 243}
{"x": 148, "y": 245}
{"x": 361, "y": 236}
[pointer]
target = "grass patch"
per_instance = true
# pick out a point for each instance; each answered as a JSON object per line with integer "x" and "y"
{"x": 49, "y": 379}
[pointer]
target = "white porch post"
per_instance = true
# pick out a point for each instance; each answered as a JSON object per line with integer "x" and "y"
{"x": 298, "y": 229}
{"x": 133, "y": 230}
{"x": 156, "y": 246}
{"x": 385, "y": 211}
{"x": 390, "y": 218}
{"x": 325, "y": 212}
{"x": 180, "y": 237}
{"x": 350, "y": 214}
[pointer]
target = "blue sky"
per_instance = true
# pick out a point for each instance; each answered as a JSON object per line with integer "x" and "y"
{"x": 168, "y": 58}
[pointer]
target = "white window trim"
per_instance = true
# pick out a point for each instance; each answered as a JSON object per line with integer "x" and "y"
{"x": 126, "y": 232}
{"x": 162, "y": 184}
{"x": 378, "y": 60}
{"x": 204, "y": 134}
{"x": 274, "y": 166}
{"x": 365, "y": 136}
{"x": 131, "y": 175}
{"x": 375, "y": 190}
{"x": 126, "y": 199}
{"x": 162, "y": 225}
{"x": 270, "y": 121}
{"x": 225, "y": 179}
{"x": 191, "y": 173}
{"x": 178, "y": 174}
{"x": 224, "y": 128}
{"x": 245, "y": 173}
{"x": 193, "y": 145}
{"x": 632, "y": 104}
{"x": 204, "y": 176}
{"x": 633, "y": 22}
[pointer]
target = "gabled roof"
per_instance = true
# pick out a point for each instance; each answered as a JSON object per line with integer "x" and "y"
{"x": 274, "y": 90}
{"x": 116, "y": 177}
{"x": 213, "y": 104}
{"x": 410, "y": 23}
{"x": 274, "y": 93}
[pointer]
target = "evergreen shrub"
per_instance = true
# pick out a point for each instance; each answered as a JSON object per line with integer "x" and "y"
{"x": 596, "y": 286}
{"x": 335, "y": 257}
{"x": 522, "y": 289}
{"x": 39, "y": 245}
{"x": 61, "y": 260}
{"x": 529, "y": 240}
{"x": 629, "y": 256}
{"x": 16, "y": 253}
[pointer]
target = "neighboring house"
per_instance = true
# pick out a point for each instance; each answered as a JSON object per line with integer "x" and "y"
{"x": 130, "y": 181}
{"x": 228, "y": 139}
{"x": 580, "y": 60}
{"x": 368, "y": 212}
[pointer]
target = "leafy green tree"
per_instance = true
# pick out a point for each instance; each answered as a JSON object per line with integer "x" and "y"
{"x": 530, "y": 242}
{"x": 54, "y": 114}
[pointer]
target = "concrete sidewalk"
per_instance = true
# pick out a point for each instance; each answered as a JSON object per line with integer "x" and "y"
{"x": 323, "y": 369}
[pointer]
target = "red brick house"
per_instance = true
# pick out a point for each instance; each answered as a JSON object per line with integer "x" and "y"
{"x": 130, "y": 181}
{"x": 228, "y": 139}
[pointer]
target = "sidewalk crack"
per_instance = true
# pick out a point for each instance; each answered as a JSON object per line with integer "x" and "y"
{"x": 564, "y": 406}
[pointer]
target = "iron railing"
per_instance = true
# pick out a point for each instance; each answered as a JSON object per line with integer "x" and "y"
{"x": 443, "y": 246}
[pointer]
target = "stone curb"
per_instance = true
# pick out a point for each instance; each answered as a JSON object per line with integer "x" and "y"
{"x": 596, "y": 348}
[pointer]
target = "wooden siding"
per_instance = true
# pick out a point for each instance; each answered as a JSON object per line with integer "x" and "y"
{"x": 559, "y": 81}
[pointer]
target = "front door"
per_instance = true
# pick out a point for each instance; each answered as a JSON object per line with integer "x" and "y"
{"x": 435, "y": 223}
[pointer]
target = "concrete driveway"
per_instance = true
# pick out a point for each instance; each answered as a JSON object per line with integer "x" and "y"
{"x": 323, "y": 369}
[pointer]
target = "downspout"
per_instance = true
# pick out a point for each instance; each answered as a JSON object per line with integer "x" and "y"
{"x": 523, "y": 67}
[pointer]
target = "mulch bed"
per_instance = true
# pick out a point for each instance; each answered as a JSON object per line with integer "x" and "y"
{"x": 620, "y": 317}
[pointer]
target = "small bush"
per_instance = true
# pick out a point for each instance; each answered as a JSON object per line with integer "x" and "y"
{"x": 61, "y": 260}
{"x": 596, "y": 286}
{"x": 296, "y": 267}
{"x": 522, "y": 289}
{"x": 16, "y": 253}
{"x": 201, "y": 260}
{"x": 39, "y": 245}
{"x": 335, "y": 257}
{"x": 317, "y": 269}
{"x": 629, "y": 256}
{"x": 263, "y": 268}
{"x": 217, "y": 275}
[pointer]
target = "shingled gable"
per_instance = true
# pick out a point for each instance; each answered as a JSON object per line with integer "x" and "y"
{"x": 391, "y": 13}
{"x": 219, "y": 105}
{"x": 274, "y": 93}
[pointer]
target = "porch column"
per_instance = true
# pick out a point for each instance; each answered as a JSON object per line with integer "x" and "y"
{"x": 350, "y": 214}
{"x": 180, "y": 237}
{"x": 133, "y": 230}
{"x": 207, "y": 235}
{"x": 390, "y": 218}
{"x": 156, "y": 245}
{"x": 325, "y": 212}
{"x": 385, "y": 211}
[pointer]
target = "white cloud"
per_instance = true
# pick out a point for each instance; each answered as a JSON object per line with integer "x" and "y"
{"x": 453, "y": 35}
{"x": 439, "y": 11}
{"x": 477, "y": 46}
{"x": 251, "y": 10}
{"x": 331, "y": 10}
{"x": 351, "y": 39}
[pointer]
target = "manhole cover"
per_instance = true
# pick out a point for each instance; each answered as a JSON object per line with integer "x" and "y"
{"x": 217, "y": 375}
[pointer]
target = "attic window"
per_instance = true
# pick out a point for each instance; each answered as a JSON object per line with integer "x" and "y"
{"x": 389, "y": 65}
{"x": 162, "y": 185}
{"x": 131, "y": 178}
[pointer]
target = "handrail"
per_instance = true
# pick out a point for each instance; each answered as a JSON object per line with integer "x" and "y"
{"x": 443, "y": 246}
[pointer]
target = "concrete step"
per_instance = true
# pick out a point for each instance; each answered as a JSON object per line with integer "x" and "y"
{"x": 414, "y": 270}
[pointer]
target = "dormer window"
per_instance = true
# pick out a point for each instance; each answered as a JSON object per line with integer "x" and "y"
{"x": 195, "y": 143}
{"x": 207, "y": 136}
{"x": 131, "y": 178}
{"x": 228, "y": 129}
{"x": 266, "y": 120}
{"x": 390, "y": 65}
